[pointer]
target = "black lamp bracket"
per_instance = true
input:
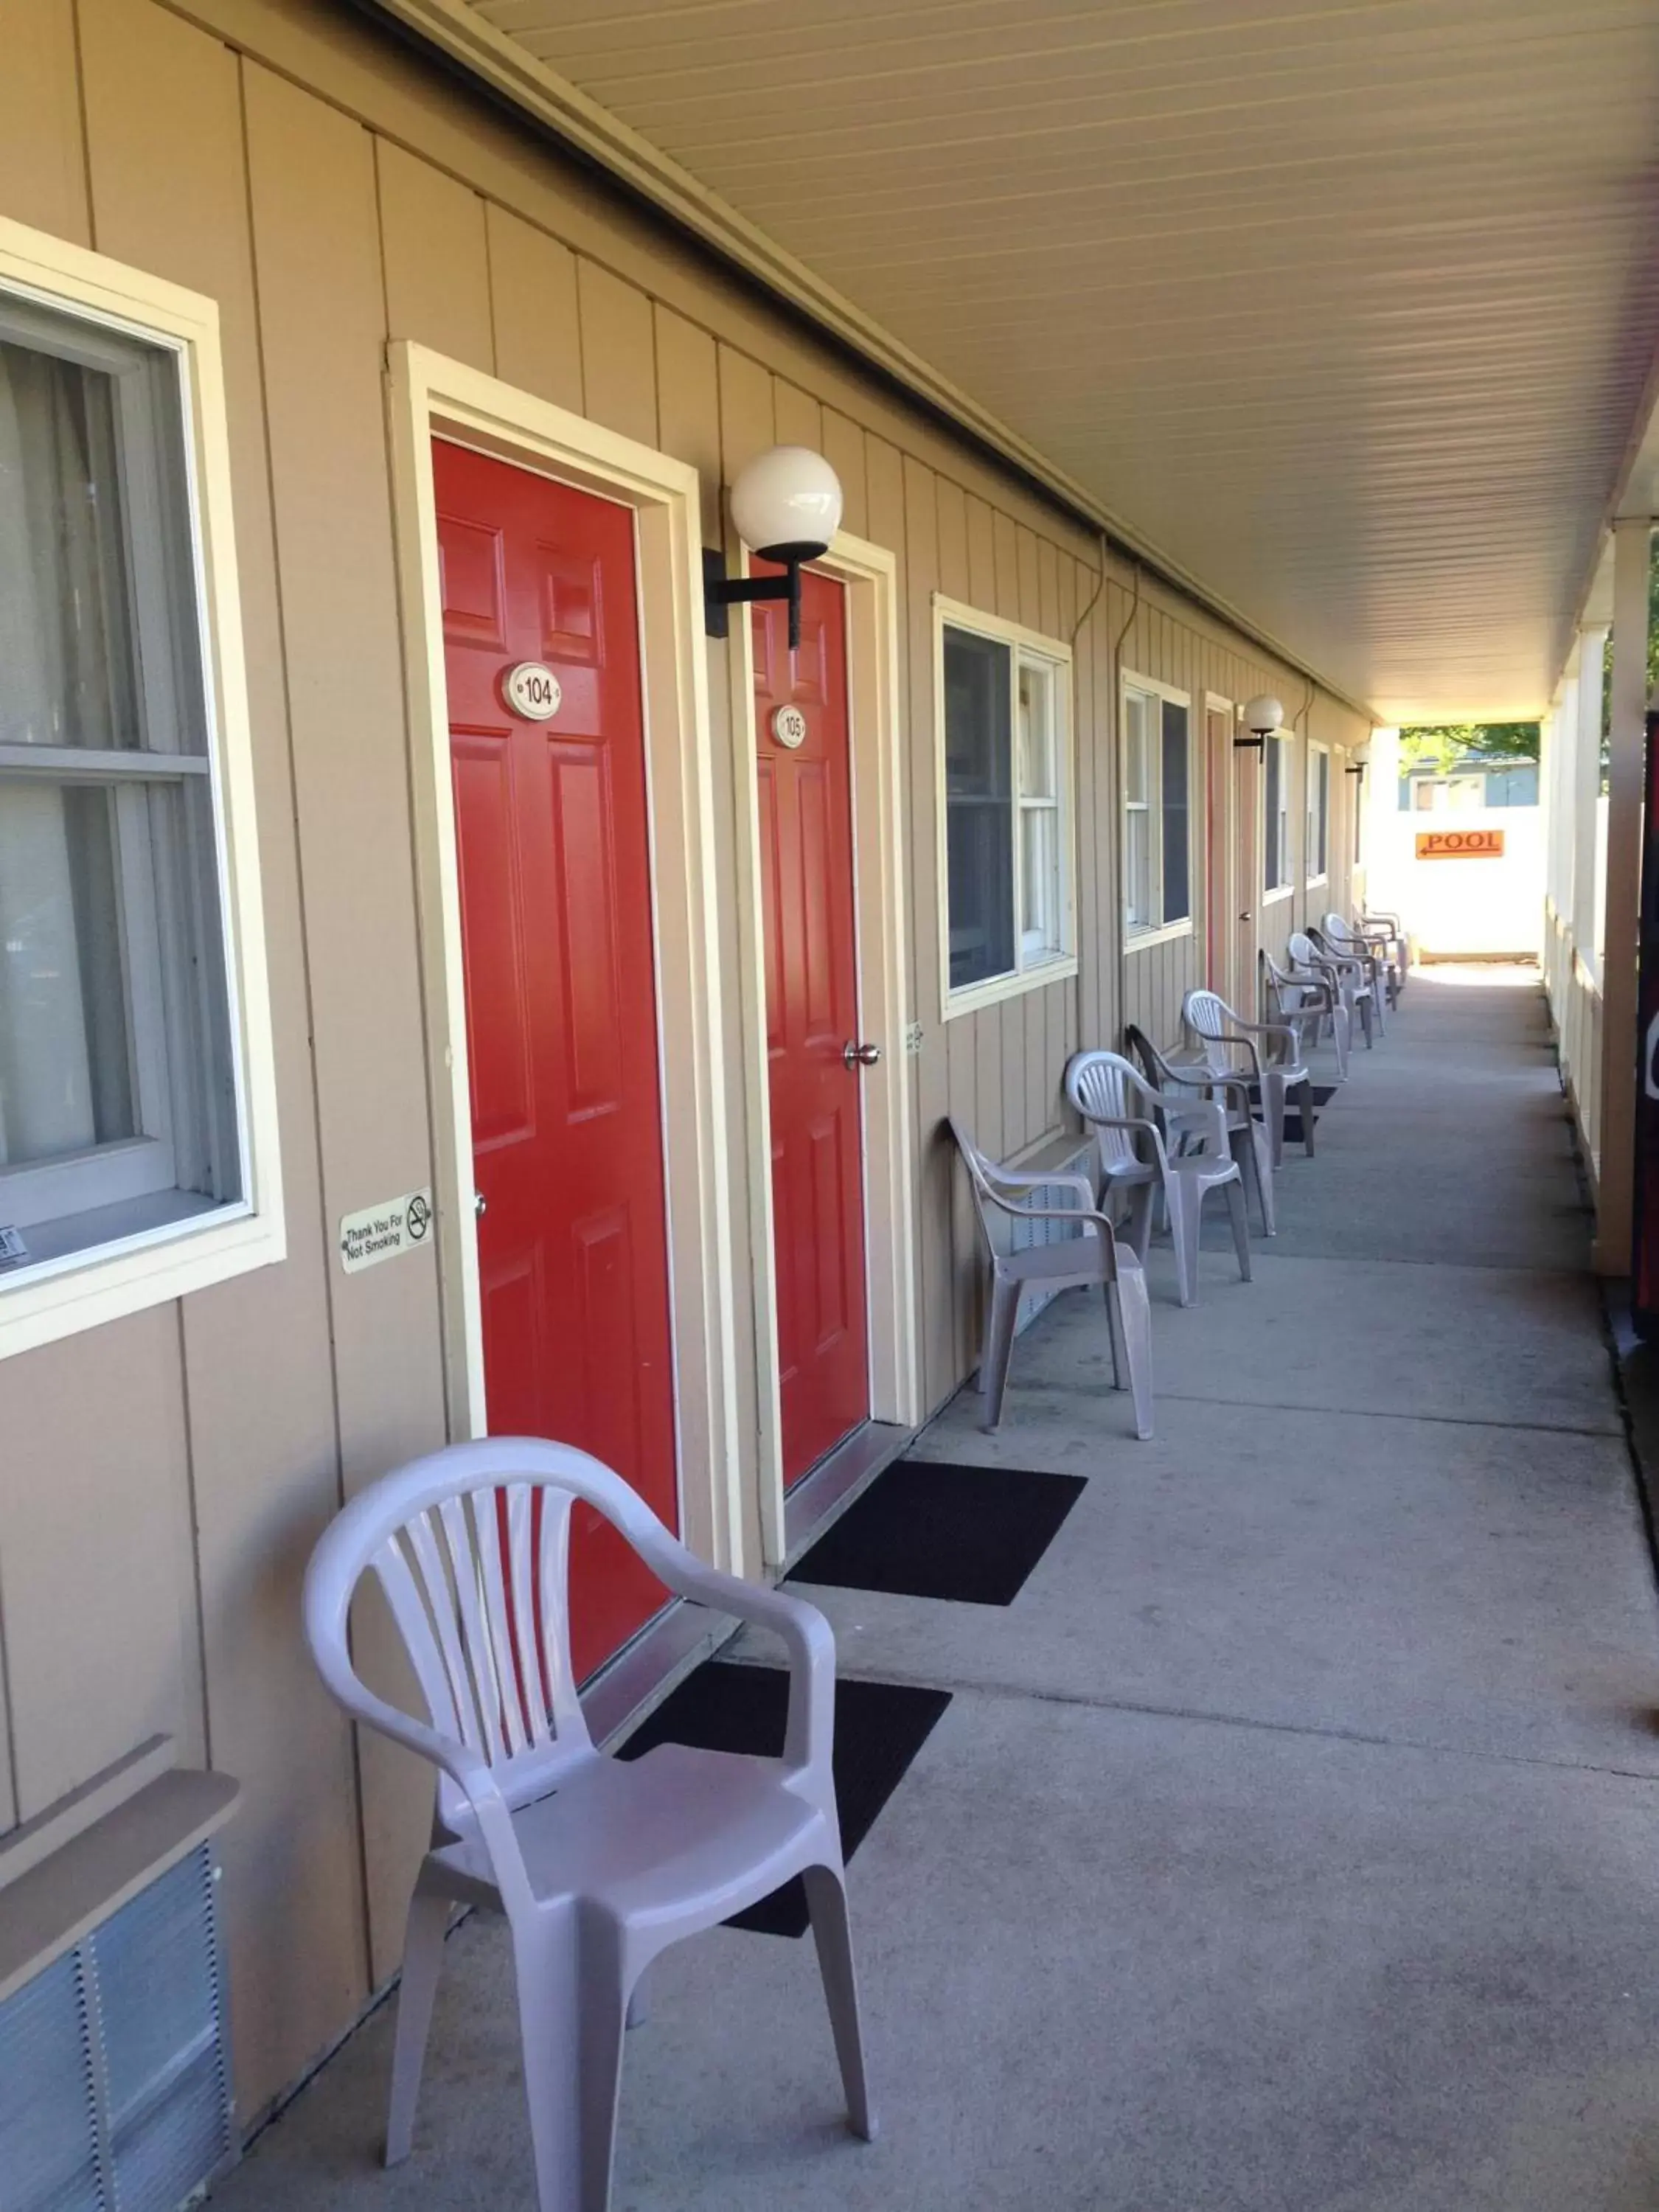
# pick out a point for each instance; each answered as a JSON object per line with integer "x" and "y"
{"x": 1359, "y": 769}
{"x": 1257, "y": 744}
{"x": 721, "y": 591}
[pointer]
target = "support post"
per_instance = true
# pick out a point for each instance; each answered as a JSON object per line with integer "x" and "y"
{"x": 1616, "y": 1173}
{"x": 1585, "y": 800}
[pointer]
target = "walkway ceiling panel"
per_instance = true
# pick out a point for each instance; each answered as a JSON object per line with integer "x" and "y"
{"x": 1349, "y": 309}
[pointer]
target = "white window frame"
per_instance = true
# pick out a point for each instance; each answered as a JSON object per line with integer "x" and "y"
{"x": 1321, "y": 874}
{"x": 1028, "y": 648}
{"x": 42, "y": 1300}
{"x": 1139, "y": 935}
{"x": 1286, "y": 757}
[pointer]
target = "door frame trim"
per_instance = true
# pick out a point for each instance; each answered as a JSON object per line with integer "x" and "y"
{"x": 428, "y": 395}
{"x": 869, "y": 575}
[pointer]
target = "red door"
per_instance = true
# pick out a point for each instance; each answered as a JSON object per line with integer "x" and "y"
{"x": 551, "y": 837}
{"x": 806, "y": 787}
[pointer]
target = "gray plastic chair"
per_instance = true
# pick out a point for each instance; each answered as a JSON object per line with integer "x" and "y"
{"x": 1374, "y": 947}
{"x": 1275, "y": 1066}
{"x": 1104, "y": 1088}
{"x": 1306, "y": 1001}
{"x": 598, "y": 1864}
{"x": 1097, "y": 1257}
{"x": 1347, "y": 978}
{"x": 1180, "y": 1087}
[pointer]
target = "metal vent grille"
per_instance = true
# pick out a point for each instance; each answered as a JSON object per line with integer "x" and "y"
{"x": 114, "y": 2089}
{"x": 1022, "y": 1235}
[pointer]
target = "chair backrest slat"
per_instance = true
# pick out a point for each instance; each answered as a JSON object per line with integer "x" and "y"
{"x": 1104, "y": 1087}
{"x": 1211, "y": 1020}
{"x": 518, "y": 1513}
{"x": 466, "y": 1548}
{"x": 415, "y": 1625}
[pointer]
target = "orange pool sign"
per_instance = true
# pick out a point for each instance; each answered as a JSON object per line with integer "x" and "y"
{"x": 1460, "y": 844}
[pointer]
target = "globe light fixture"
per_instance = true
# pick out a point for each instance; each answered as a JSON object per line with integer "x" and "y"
{"x": 786, "y": 506}
{"x": 1261, "y": 716}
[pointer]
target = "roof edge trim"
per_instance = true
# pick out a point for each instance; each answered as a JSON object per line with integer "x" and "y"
{"x": 581, "y": 123}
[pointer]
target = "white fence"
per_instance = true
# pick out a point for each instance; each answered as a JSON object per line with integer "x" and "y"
{"x": 1469, "y": 882}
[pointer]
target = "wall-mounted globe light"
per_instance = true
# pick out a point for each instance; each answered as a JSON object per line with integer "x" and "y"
{"x": 786, "y": 505}
{"x": 1261, "y": 716}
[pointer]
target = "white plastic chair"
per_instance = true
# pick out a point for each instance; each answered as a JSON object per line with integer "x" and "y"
{"x": 1276, "y": 1066}
{"x": 1247, "y": 1138}
{"x": 1390, "y": 929}
{"x": 1361, "y": 960}
{"x": 1347, "y": 976}
{"x": 1075, "y": 1262}
{"x": 1306, "y": 1001}
{"x": 1372, "y": 947}
{"x": 598, "y": 1864}
{"x": 1105, "y": 1088}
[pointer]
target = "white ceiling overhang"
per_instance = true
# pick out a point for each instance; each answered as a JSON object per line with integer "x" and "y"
{"x": 1345, "y": 313}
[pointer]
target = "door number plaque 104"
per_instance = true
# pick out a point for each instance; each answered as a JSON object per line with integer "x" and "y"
{"x": 532, "y": 691}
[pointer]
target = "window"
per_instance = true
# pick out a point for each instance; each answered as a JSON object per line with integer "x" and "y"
{"x": 1318, "y": 814}
{"x": 1157, "y": 867}
{"x": 127, "y": 1100}
{"x": 1277, "y": 840}
{"x": 1006, "y": 758}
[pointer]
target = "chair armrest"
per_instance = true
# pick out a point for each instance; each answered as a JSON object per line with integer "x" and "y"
{"x": 1058, "y": 1180}
{"x": 808, "y": 1641}
{"x": 1139, "y": 1124}
{"x": 323, "y": 1607}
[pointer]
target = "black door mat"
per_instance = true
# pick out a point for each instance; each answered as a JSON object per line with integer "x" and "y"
{"x": 1322, "y": 1095}
{"x": 926, "y": 1528}
{"x": 879, "y": 1729}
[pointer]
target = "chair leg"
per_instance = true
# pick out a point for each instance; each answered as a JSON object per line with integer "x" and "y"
{"x": 1135, "y": 1317}
{"x": 424, "y": 1958}
{"x": 1341, "y": 1037}
{"x": 1273, "y": 1104}
{"x": 1112, "y": 1334}
{"x": 826, "y": 1901}
{"x": 1184, "y": 1210}
{"x": 1304, "y": 1094}
{"x": 1365, "y": 1024}
{"x": 572, "y": 2010}
{"x": 1137, "y": 1229}
{"x": 998, "y": 1346}
{"x": 1263, "y": 1166}
{"x": 1241, "y": 1226}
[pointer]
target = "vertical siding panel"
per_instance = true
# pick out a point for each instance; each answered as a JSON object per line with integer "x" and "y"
{"x": 1004, "y": 533}
{"x": 619, "y": 359}
{"x": 97, "y": 1583}
{"x": 1030, "y": 589}
{"x": 936, "y": 1169}
{"x": 322, "y": 334}
{"x": 981, "y": 556}
{"x": 1047, "y": 620}
{"x": 688, "y": 409}
{"x": 169, "y": 184}
{"x": 43, "y": 178}
{"x": 533, "y": 308}
{"x": 747, "y": 413}
{"x": 436, "y": 259}
{"x": 843, "y": 448}
{"x": 976, "y": 1040}
{"x": 799, "y": 417}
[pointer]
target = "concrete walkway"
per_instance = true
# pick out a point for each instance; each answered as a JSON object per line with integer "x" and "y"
{"x": 1292, "y": 1842}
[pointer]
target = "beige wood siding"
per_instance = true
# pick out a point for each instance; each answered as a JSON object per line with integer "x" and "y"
{"x": 167, "y": 1476}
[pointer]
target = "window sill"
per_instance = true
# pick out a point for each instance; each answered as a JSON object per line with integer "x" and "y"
{"x": 1318, "y": 883}
{"x": 1139, "y": 940}
{"x": 1279, "y": 891}
{"x": 972, "y": 998}
{"x": 153, "y": 1250}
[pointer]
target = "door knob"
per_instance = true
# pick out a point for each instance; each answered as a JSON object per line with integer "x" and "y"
{"x": 859, "y": 1055}
{"x": 480, "y": 1204}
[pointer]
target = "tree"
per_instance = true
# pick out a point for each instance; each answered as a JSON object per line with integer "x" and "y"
{"x": 1441, "y": 746}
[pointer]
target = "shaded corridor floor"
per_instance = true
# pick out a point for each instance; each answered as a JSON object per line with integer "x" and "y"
{"x": 1292, "y": 1843}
